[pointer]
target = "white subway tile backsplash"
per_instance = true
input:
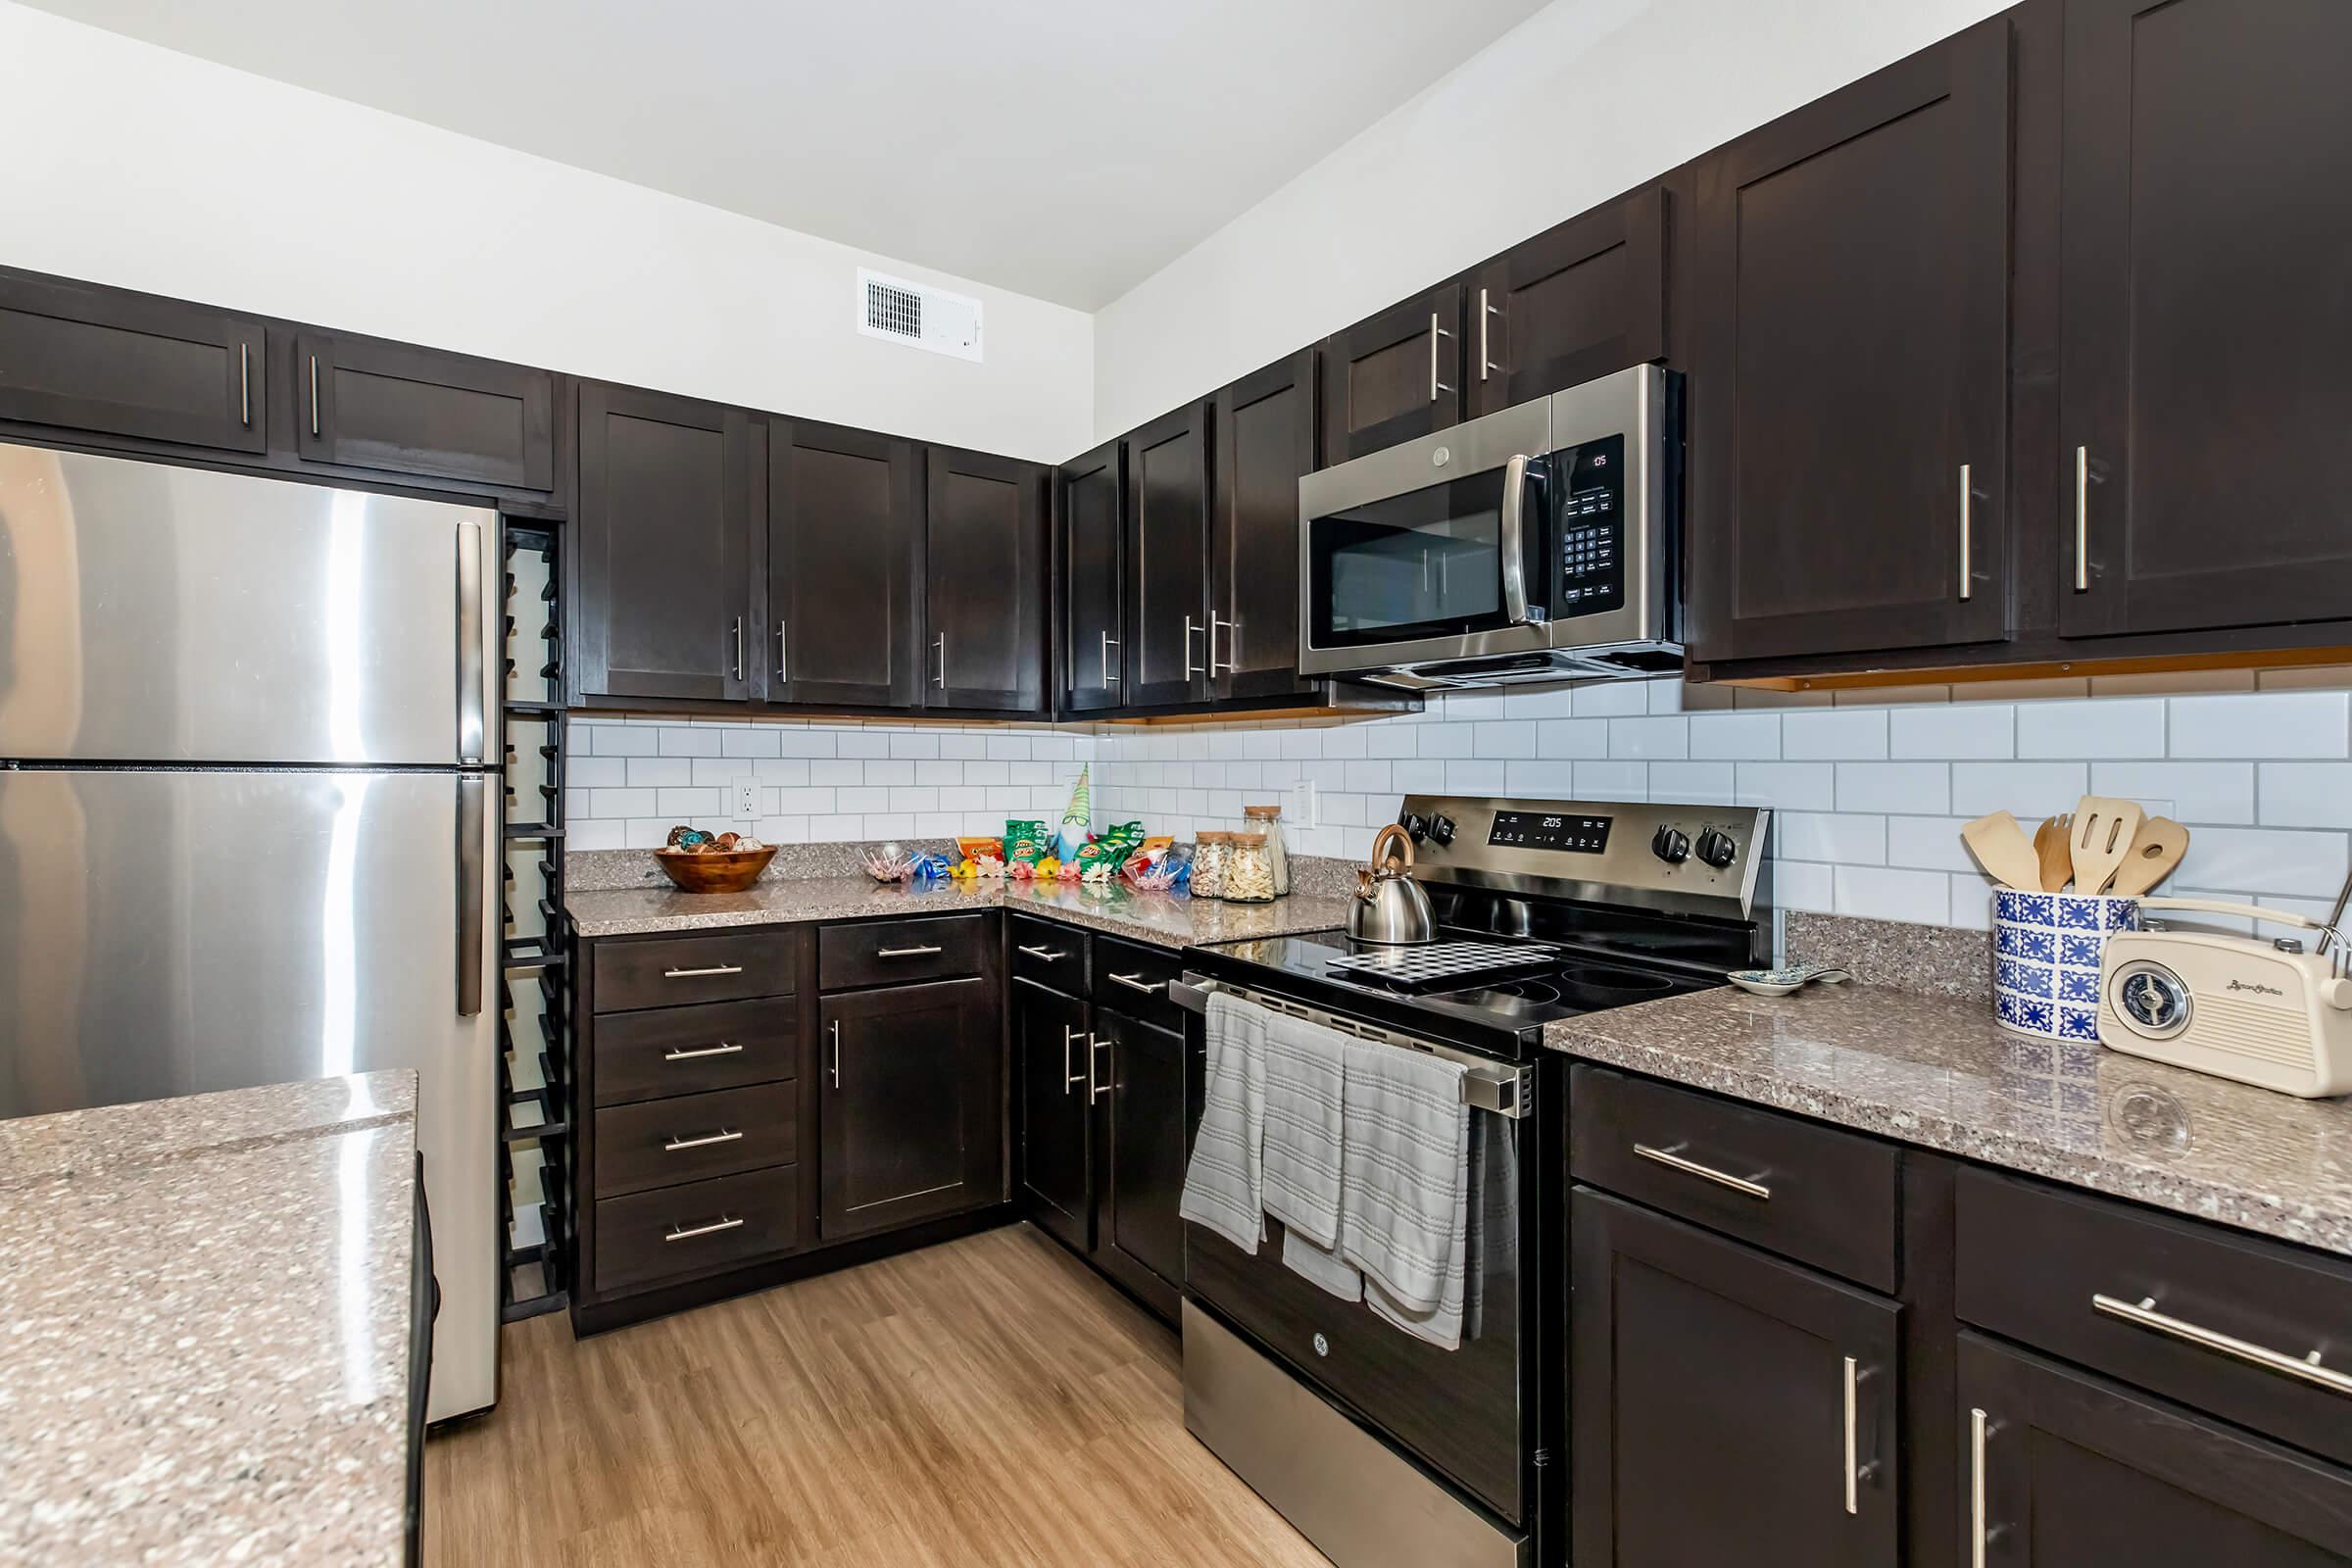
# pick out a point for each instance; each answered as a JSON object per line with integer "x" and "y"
{"x": 1953, "y": 732}
{"x": 749, "y": 740}
{"x": 1612, "y": 779}
{"x": 624, "y": 740}
{"x": 2264, "y": 724}
{"x": 2306, "y": 795}
{"x": 2219, "y": 792}
{"x": 2267, "y": 861}
{"x": 1655, "y": 737}
{"x": 655, "y": 772}
{"x": 2027, "y": 789}
{"x": 1487, "y": 776}
{"x": 2109, "y": 727}
{"x": 1541, "y": 780}
{"x": 1503, "y": 738}
{"x": 1918, "y": 787}
{"x": 1609, "y": 699}
{"x": 1789, "y": 786}
{"x": 1805, "y": 885}
{"x": 1927, "y": 844}
{"x": 1736, "y": 737}
{"x": 585, "y": 772}
{"x": 1837, "y": 734}
{"x": 1698, "y": 783}
{"x": 1556, "y": 738}
{"x": 1847, "y": 840}
{"x": 688, "y": 740}
{"x": 1884, "y": 894}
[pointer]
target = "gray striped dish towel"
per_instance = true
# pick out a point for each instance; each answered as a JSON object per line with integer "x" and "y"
{"x": 1224, "y": 1180}
{"x": 1305, "y": 1076}
{"x": 1404, "y": 1187}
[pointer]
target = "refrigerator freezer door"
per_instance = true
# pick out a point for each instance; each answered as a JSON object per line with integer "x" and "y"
{"x": 150, "y": 613}
{"x": 169, "y": 932}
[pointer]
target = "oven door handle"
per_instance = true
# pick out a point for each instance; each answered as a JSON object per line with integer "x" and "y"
{"x": 1514, "y": 539}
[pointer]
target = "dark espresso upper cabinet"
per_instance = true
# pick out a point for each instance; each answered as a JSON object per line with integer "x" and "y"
{"x": 84, "y": 358}
{"x": 1167, "y": 553}
{"x": 2206, "y": 386}
{"x": 985, "y": 581}
{"x": 1266, "y": 435}
{"x": 665, "y": 568}
{"x": 370, "y": 404}
{"x": 1580, "y": 300}
{"x": 843, "y": 535}
{"x": 1394, "y": 376}
{"x": 1849, "y": 383}
{"x": 1091, "y": 513}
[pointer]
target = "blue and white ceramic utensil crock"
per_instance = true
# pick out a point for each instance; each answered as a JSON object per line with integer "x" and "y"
{"x": 2046, "y": 960}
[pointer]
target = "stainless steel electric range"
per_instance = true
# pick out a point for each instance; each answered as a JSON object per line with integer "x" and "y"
{"x": 1383, "y": 1448}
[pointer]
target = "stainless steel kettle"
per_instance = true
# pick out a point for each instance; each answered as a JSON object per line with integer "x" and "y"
{"x": 1390, "y": 906}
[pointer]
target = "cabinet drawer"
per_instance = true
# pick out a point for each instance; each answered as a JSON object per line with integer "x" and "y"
{"x": 660, "y": 1142}
{"x": 687, "y": 1050}
{"x": 1049, "y": 953}
{"x": 721, "y": 966}
{"x": 695, "y": 1228}
{"x": 1809, "y": 1193}
{"x": 2217, "y": 1321}
{"x": 1134, "y": 980}
{"x": 889, "y": 952}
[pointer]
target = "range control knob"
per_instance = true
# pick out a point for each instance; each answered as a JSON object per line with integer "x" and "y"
{"x": 1716, "y": 848}
{"x": 1441, "y": 829}
{"x": 1413, "y": 823}
{"x": 1671, "y": 845}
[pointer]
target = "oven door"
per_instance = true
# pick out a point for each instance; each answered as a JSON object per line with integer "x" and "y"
{"x": 1435, "y": 549}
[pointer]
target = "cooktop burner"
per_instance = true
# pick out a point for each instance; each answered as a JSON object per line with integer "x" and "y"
{"x": 1442, "y": 965}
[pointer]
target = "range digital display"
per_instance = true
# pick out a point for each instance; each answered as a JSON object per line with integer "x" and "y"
{"x": 1549, "y": 830}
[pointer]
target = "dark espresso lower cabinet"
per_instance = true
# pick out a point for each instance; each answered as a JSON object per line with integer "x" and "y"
{"x": 909, "y": 1104}
{"x": 1726, "y": 1407}
{"x": 1139, "y": 1239}
{"x": 2068, "y": 1470}
{"x": 1055, "y": 1110}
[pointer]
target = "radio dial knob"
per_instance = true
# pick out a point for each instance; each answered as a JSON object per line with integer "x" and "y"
{"x": 1671, "y": 845}
{"x": 1716, "y": 848}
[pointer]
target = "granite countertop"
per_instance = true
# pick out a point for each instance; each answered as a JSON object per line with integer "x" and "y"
{"x": 1168, "y": 919}
{"x": 1936, "y": 1071}
{"x": 204, "y": 1327}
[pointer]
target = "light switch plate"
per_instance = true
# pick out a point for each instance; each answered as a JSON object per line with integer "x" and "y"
{"x": 745, "y": 794}
{"x": 1300, "y": 808}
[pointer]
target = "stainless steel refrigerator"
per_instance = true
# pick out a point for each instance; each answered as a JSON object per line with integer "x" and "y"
{"x": 249, "y": 813}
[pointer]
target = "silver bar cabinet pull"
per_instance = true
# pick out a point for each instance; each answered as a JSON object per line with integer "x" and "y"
{"x": 1486, "y": 318}
{"x": 2304, "y": 1369}
{"x": 1050, "y": 955}
{"x": 940, "y": 643}
{"x": 739, "y": 648}
{"x": 782, "y": 664}
{"x": 681, "y": 1233}
{"x": 1095, "y": 1088}
{"x": 923, "y": 952}
{"x": 725, "y": 1134}
{"x": 1191, "y": 630}
{"x": 2081, "y": 519}
{"x": 245, "y": 385}
{"x": 1108, "y": 643}
{"x": 698, "y": 974}
{"x": 1967, "y": 587}
{"x": 1672, "y": 1159}
{"x": 314, "y": 394}
{"x": 1975, "y": 1489}
{"x": 1135, "y": 982}
{"x": 474, "y": 893}
{"x": 834, "y": 1029}
{"x": 1070, "y": 1077}
{"x": 1231, "y": 642}
{"x": 725, "y": 1047}
{"x": 1854, "y": 1502}
{"x": 1435, "y": 333}
{"x": 472, "y": 702}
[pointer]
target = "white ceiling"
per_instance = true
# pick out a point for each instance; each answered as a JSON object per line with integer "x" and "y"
{"x": 1066, "y": 149}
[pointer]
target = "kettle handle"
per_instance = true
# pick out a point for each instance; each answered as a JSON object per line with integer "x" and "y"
{"x": 1391, "y": 834}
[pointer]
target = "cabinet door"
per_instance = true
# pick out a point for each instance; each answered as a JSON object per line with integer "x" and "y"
{"x": 1265, "y": 441}
{"x": 1167, "y": 545}
{"x": 1138, "y": 1080}
{"x": 842, "y": 514}
{"x": 911, "y": 1111}
{"x": 985, "y": 581}
{"x": 1093, "y": 519}
{"x": 1849, "y": 379}
{"x": 391, "y": 406}
{"x": 664, "y": 598}
{"x": 1052, "y": 1042}
{"x": 2072, "y": 1470}
{"x": 1726, "y": 1407}
{"x": 2206, "y": 383}
{"x": 1394, "y": 376}
{"x": 85, "y": 358}
{"x": 1578, "y": 301}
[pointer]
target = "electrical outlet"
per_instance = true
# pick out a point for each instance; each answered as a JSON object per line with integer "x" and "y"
{"x": 1300, "y": 809}
{"x": 746, "y": 796}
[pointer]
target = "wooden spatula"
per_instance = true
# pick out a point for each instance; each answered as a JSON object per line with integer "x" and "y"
{"x": 2050, "y": 847}
{"x": 2003, "y": 849}
{"x": 2155, "y": 850}
{"x": 2100, "y": 839}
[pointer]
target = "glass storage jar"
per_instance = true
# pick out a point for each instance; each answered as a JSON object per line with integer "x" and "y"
{"x": 1210, "y": 851}
{"x": 1250, "y": 870}
{"x": 1267, "y": 819}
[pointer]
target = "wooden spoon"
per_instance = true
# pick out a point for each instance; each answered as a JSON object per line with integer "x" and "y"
{"x": 2003, "y": 849}
{"x": 2158, "y": 847}
{"x": 2049, "y": 845}
{"x": 2100, "y": 840}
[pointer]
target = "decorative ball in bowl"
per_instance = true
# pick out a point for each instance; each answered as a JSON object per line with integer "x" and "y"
{"x": 697, "y": 871}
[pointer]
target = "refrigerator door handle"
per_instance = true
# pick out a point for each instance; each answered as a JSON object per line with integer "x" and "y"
{"x": 472, "y": 791}
{"x": 470, "y": 726}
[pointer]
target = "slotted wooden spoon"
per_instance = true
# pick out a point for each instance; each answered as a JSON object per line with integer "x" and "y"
{"x": 2100, "y": 841}
{"x": 2050, "y": 846}
{"x": 2158, "y": 847}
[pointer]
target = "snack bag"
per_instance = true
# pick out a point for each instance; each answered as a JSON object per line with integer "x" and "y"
{"x": 979, "y": 850}
{"x": 1025, "y": 843}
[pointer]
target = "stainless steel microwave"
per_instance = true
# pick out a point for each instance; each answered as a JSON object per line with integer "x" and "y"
{"x": 1537, "y": 542}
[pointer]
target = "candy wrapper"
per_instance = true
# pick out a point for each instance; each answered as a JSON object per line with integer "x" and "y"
{"x": 929, "y": 867}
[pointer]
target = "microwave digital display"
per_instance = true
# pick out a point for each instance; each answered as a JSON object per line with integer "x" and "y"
{"x": 1589, "y": 486}
{"x": 1549, "y": 830}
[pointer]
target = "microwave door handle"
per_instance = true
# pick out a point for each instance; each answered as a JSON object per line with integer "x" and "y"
{"x": 1514, "y": 540}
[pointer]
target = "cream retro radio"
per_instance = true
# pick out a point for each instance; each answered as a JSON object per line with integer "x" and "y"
{"x": 2263, "y": 1013}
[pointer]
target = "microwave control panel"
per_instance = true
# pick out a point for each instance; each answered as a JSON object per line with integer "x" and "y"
{"x": 1589, "y": 481}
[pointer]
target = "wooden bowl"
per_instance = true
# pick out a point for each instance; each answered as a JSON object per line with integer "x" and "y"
{"x": 719, "y": 872}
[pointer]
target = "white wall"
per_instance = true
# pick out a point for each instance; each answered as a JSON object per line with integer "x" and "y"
{"x": 1583, "y": 100}
{"x": 133, "y": 166}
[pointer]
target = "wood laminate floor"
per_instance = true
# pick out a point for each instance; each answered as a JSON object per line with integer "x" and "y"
{"x": 985, "y": 1402}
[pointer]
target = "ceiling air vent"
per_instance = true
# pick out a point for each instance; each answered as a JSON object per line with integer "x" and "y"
{"x": 917, "y": 313}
